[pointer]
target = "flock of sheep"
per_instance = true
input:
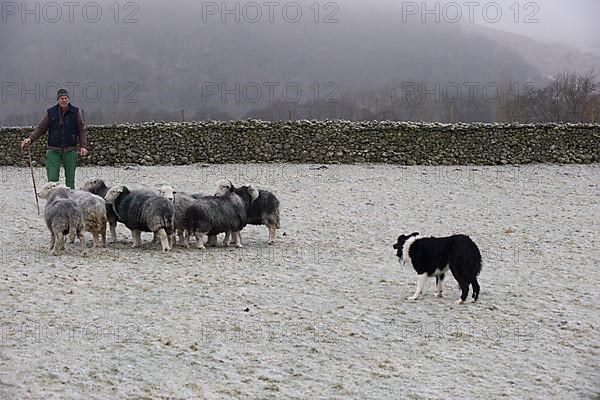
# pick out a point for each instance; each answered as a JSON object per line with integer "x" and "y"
{"x": 167, "y": 213}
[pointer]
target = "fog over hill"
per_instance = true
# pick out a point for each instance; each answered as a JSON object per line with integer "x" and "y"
{"x": 194, "y": 55}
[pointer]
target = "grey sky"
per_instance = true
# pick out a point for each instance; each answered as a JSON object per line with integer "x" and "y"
{"x": 569, "y": 22}
{"x": 572, "y": 22}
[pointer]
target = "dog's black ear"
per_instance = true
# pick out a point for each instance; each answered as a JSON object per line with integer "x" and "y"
{"x": 414, "y": 234}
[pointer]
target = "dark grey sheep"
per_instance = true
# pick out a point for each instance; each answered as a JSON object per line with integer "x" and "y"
{"x": 143, "y": 211}
{"x": 217, "y": 214}
{"x": 181, "y": 201}
{"x": 264, "y": 210}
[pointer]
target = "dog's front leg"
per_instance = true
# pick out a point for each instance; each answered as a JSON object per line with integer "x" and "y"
{"x": 420, "y": 285}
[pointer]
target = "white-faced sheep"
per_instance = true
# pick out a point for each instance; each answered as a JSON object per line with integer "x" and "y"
{"x": 264, "y": 210}
{"x": 93, "y": 208}
{"x": 98, "y": 187}
{"x": 63, "y": 217}
{"x": 143, "y": 211}
{"x": 167, "y": 191}
{"x": 181, "y": 201}
{"x": 217, "y": 214}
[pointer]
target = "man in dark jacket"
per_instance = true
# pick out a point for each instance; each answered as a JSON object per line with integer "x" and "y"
{"x": 65, "y": 128}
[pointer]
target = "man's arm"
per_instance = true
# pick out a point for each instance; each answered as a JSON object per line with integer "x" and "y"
{"x": 81, "y": 131}
{"x": 83, "y": 151}
{"x": 40, "y": 130}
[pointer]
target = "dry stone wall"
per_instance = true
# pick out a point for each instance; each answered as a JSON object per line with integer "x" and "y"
{"x": 324, "y": 142}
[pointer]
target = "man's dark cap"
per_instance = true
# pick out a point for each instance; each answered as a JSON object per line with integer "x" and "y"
{"x": 61, "y": 92}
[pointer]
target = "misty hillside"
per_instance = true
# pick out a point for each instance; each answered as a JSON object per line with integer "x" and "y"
{"x": 549, "y": 59}
{"x": 164, "y": 61}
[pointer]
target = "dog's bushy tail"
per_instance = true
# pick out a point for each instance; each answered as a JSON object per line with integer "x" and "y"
{"x": 477, "y": 264}
{"x": 475, "y": 285}
{"x": 476, "y": 256}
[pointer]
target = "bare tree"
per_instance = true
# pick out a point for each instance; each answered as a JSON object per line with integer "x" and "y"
{"x": 574, "y": 92}
{"x": 570, "y": 98}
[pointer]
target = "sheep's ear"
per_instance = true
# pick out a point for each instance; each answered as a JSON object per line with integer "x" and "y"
{"x": 231, "y": 185}
{"x": 396, "y": 245}
{"x": 414, "y": 234}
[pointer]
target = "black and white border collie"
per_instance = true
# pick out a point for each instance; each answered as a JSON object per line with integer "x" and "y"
{"x": 431, "y": 256}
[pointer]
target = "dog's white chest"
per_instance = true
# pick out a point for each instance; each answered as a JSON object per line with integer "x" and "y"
{"x": 406, "y": 260}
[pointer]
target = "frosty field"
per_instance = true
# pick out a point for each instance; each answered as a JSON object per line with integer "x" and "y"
{"x": 322, "y": 313}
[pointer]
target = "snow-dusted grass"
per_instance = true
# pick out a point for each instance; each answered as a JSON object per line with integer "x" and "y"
{"x": 320, "y": 314}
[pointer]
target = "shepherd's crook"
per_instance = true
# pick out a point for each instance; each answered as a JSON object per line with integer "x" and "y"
{"x": 37, "y": 202}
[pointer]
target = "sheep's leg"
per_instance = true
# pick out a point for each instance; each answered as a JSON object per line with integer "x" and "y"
{"x": 164, "y": 239}
{"x": 199, "y": 239}
{"x": 272, "y": 233}
{"x": 113, "y": 232}
{"x": 103, "y": 234}
{"x": 186, "y": 238}
{"x": 137, "y": 238}
{"x": 180, "y": 233}
{"x": 52, "y": 240}
{"x": 227, "y": 239}
{"x": 212, "y": 241}
{"x": 82, "y": 241}
{"x": 71, "y": 237}
{"x": 169, "y": 239}
{"x": 59, "y": 243}
{"x": 237, "y": 237}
